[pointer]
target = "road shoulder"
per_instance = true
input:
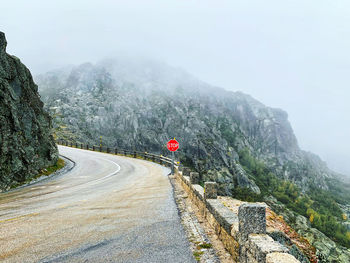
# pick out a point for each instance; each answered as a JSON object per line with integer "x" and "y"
{"x": 205, "y": 244}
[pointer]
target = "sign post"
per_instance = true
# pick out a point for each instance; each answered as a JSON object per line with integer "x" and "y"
{"x": 172, "y": 145}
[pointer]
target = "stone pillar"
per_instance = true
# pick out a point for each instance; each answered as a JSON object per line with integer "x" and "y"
{"x": 194, "y": 178}
{"x": 210, "y": 190}
{"x": 87, "y": 146}
{"x": 252, "y": 220}
{"x": 186, "y": 171}
{"x": 116, "y": 151}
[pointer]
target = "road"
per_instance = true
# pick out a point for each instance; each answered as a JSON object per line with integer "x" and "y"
{"x": 106, "y": 209}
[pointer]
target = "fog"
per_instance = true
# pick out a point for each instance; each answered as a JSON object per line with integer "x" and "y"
{"x": 288, "y": 54}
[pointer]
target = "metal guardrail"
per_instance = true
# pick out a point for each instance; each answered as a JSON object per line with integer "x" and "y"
{"x": 162, "y": 160}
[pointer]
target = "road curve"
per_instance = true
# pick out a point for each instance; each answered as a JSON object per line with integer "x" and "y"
{"x": 106, "y": 209}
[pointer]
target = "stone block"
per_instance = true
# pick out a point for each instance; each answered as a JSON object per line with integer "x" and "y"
{"x": 251, "y": 219}
{"x": 260, "y": 245}
{"x": 186, "y": 171}
{"x": 277, "y": 257}
{"x": 199, "y": 191}
{"x": 186, "y": 180}
{"x": 194, "y": 178}
{"x": 210, "y": 190}
{"x": 243, "y": 254}
{"x": 235, "y": 230}
{"x": 225, "y": 217}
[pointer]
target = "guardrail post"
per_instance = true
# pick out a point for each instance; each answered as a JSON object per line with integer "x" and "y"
{"x": 81, "y": 146}
{"x": 100, "y": 148}
{"x": 93, "y": 147}
{"x": 87, "y": 146}
{"x": 144, "y": 155}
{"x": 108, "y": 150}
{"x": 71, "y": 144}
{"x": 251, "y": 219}
{"x": 210, "y": 190}
{"x": 125, "y": 152}
{"x": 134, "y": 154}
{"x": 116, "y": 151}
{"x": 194, "y": 178}
{"x": 186, "y": 171}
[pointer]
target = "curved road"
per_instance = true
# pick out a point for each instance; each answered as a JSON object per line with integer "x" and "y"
{"x": 106, "y": 209}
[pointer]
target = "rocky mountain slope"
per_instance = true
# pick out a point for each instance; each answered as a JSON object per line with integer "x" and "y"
{"x": 229, "y": 137}
{"x": 143, "y": 104}
{"x": 26, "y": 143}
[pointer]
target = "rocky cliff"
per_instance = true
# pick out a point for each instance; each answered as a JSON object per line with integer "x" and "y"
{"x": 26, "y": 143}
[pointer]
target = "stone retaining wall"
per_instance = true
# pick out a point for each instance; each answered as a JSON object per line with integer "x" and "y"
{"x": 244, "y": 233}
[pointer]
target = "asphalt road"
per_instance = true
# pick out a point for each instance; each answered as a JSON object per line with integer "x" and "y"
{"x": 106, "y": 209}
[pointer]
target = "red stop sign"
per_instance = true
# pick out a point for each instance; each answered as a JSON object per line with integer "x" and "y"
{"x": 173, "y": 145}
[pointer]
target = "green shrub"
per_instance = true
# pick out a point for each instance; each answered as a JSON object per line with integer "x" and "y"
{"x": 320, "y": 206}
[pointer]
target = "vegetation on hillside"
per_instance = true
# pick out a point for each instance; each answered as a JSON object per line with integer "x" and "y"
{"x": 43, "y": 172}
{"x": 319, "y": 205}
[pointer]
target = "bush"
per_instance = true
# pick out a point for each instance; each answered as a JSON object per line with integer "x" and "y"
{"x": 320, "y": 206}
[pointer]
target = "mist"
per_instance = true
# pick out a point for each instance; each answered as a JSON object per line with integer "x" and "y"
{"x": 292, "y": 55}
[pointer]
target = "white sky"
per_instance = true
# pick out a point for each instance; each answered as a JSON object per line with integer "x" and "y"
{"x": 294, "y": 55}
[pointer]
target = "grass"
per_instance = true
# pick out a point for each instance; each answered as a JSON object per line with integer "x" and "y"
{"x": 44, "y": 172}
{"x": 50, "y": 170}
{"x": 205, "y": 245}
{"x": 198, "y": 255}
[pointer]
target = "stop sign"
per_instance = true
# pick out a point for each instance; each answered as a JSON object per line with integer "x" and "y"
{"x": 173, "y": 145}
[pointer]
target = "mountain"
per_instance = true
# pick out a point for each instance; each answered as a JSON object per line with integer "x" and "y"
{"x": 141, "y": 104}
{"x": 228, "y": 137}
{"x": 26, "y": 143}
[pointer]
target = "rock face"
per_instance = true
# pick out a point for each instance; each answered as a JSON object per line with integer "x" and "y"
{"x": 26, "y": 143}
{"x": 141, "y": 104}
